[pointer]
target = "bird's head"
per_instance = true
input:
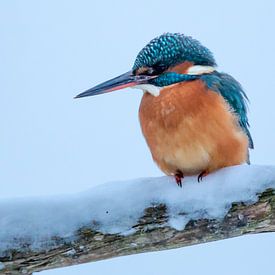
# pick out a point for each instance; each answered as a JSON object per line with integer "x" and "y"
{"x": 165, "y": 60}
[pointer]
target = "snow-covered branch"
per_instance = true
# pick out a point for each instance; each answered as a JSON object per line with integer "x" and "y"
{"x": 131, "y": 217}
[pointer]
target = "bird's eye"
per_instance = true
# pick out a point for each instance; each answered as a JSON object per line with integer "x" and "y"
{"x": 159, "y": 68}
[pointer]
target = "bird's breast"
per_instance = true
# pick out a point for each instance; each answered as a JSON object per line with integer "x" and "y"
{"x": 186, "y": 126}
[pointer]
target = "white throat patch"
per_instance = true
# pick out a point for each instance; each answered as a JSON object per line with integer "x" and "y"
{"x": 152, "y": 89}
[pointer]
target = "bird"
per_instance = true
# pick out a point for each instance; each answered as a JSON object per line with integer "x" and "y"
{"x": 193, "y": 117}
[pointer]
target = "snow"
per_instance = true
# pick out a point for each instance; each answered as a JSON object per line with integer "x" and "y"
{"x": 115, "y": 207}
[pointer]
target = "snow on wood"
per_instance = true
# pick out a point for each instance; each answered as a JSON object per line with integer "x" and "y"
{"x": 133, "y": 216}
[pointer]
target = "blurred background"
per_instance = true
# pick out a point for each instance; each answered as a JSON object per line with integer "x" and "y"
{"x": 52, "y": 144}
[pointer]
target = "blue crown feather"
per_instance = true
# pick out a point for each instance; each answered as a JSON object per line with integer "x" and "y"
{"x": 170, "y": 49}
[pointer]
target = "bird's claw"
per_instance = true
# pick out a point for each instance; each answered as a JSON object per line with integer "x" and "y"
{"x": 202, "y": 175}
{"x": 178, "y": 177}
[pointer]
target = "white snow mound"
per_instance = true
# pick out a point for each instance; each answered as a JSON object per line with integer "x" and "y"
{"x": 117, "y": 206}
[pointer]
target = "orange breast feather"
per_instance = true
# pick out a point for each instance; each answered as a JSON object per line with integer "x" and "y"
{"x": 189, "y": 128}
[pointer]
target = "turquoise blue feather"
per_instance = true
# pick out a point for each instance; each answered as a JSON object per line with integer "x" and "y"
{"x": 173, "y": 48}
{"x": 232, "y": 92}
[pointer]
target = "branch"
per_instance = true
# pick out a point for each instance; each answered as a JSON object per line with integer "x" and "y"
{"x": 151, "y": 232}
{"x": 132, "y": 217}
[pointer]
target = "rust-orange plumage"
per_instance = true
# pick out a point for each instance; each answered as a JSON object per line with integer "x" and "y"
{"x": 193, "y": 118}
{"x": 190, "y": 130}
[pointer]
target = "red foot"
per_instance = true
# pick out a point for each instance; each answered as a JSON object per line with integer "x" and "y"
{"x": 178, "y": 177}
{"x": 202, "y": 175}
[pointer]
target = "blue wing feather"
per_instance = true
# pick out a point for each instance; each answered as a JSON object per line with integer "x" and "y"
{"x": 232, "y": 92}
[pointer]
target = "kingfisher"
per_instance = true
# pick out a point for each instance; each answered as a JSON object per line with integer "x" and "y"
{"x": 193, "y": 117}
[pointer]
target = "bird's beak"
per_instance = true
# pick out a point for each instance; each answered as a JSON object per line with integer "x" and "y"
{"x": 123, "y": 81}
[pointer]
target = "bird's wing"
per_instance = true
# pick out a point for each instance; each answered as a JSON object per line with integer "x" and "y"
{"x": 232, "y": 92}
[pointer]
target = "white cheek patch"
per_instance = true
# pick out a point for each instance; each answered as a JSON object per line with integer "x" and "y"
{"x": 198, "y": 70}
{"x": 152, "y": 89}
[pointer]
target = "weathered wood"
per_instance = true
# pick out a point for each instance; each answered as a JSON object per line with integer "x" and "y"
{"x": 151, "y": 234}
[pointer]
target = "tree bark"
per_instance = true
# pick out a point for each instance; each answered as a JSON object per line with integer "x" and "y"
{"x": 151, "y": 234}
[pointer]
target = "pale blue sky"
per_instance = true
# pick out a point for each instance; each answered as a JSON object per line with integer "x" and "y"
{"x": 50, "y": 143}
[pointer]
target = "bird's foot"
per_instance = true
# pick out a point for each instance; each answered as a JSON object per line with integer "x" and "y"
{"x": 202, "y": 175}
{"x": 179, "y": 177}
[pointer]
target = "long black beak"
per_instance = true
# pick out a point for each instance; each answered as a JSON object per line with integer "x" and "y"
{"x": 123, "y": 81}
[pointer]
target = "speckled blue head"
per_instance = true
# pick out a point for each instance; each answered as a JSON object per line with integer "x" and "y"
{"x": 168, "y": 50}
{"x": 171, "y": 49}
